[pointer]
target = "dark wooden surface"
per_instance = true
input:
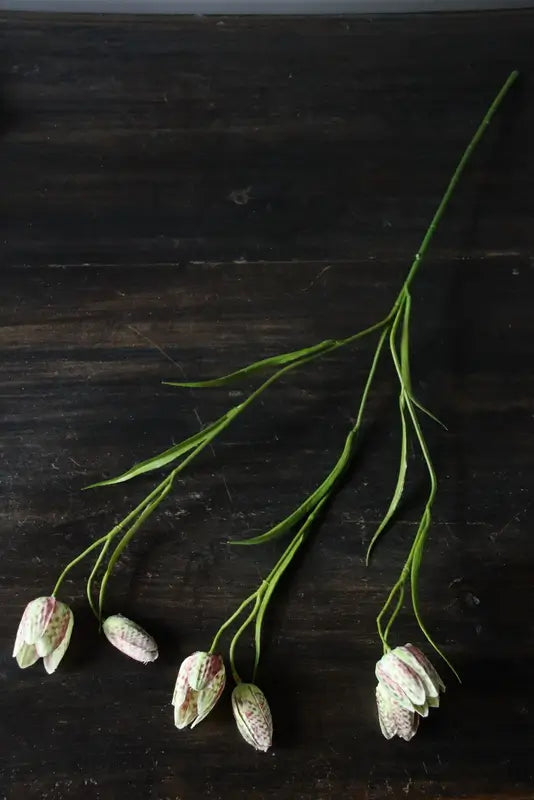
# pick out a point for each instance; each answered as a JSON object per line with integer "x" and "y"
{"x": 186, "y": 195}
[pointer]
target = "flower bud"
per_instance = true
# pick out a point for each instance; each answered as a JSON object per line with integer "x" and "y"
{"x": 130, "y": 638}
{"x": 44, "y": 632}
{"x": 199, "y": 685}
{"x": 253, "y": 716}
{"x": 408, "y": 685}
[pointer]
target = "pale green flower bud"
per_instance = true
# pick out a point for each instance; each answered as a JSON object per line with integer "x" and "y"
{"x": 253, "y": 716}
{"x": 130, "y": 638}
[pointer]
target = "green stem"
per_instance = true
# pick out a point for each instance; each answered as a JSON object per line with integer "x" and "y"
{"x": 76, "y": 560}
{"x": 104, "y": 538}
{"x": 456, "y": 177}
{"x": 147, "y": 507}
{"x": 275, "y": 575}
{"x": 90, "y": 579}
{"x": 230, "y": 619}
{"x": 237, "y": 635}
{"x": 164, "y": 489}
{"x": 263, "y": 594}
{"x": 412, "y": 564}
{"x": 400, "y": 601}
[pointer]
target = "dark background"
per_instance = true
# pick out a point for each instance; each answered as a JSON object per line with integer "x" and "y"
{"x": 183, "y": 196}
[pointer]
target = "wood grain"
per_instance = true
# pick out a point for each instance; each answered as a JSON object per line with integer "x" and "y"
{"x": 184, "y": 195}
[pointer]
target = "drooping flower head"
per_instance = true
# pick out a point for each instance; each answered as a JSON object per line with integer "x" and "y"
{"x": 130, "y": 638}
{"x": 253, "y": 716}
{"x": 199, "y": 685}
{"x": 44, "y": 632}
{"x": 408, "y": 685}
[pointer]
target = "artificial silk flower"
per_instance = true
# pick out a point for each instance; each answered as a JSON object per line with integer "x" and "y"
{"x": 199, "y": 685}
{"x": 44, "y": 632}
{"x": 408, "y": 685}
{"x": 130, "y": 638}
{"x": 253, "y": 716}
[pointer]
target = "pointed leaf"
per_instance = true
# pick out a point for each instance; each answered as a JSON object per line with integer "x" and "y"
{"x": 311, "y": 501}
{"x": 164, "y": 458}
{"x": 425, "y": 410}
{"x": 256, "y": 366}
{"x": 401, "y": 479}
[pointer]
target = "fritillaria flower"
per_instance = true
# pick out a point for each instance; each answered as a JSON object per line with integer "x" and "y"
{"x": 199, "y": 685}
{"x": 253, "y": 716}
{"x": 408, "y": 685}
{"x": 44, "y": 632}
{"x": 130, "y": 638}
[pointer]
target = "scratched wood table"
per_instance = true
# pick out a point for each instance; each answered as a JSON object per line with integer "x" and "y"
{"x": 183, "y": 196}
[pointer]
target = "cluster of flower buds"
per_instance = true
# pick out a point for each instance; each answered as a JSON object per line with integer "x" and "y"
{"x": 45, "y": 630}
{"x": 199, "y": 685}
{"x": 46, "y": 626}
{"x": 408, "y": 685}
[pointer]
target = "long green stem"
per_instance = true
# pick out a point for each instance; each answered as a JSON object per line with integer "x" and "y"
{"x": 237, "y": 635}
{"x": 400, "y": 601}
{"x": 90, "y": 579}
{"x": 147, "y": 507}
{"x": 411, "y": 566}
{"x": 276, "y": 574}
{"x": 108, "y": 536}
{"x": 263, "y": 594}
{"x": 402, "y": 368}
{"x": 251, "y": 598}
{"x": 165, "y": 488}
{"x": 261, "y": 597}
{"x": 77, "y": 560}
{"x": 456, "y": 177}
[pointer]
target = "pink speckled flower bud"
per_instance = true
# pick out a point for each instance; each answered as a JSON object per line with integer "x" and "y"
{"x": 253, "y": 716}
{"x": 44, "y": 632}
{"x": 408, "y": 685}
{"x": 199, "y": 685}
{"x": 130, "y": 638}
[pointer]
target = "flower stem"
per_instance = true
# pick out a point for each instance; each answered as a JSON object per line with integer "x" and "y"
{"x": 238, "y": 633}
{"x": 262, "y": 596}
{"x": 456, "y": 177}
{"x": 107, "y": 537}
{"x": 163, "y": 490}
{"x": 407, "y": 403}
{"x": 90, "y": 579}
{"x": 230, "y": 619}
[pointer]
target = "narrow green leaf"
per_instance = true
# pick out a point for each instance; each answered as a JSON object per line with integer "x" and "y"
{"x": 308, "y": 504}
{"x": 275, "y": 576}
{"x": 425, "y": 410}
{"x": 164, "y": 458}
{"x": 401, "y": 478}
{"x": 256, "y": 366}
{"x": 163, "y": 490}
